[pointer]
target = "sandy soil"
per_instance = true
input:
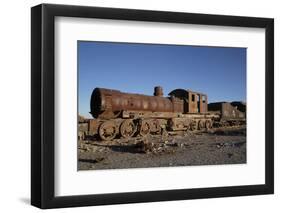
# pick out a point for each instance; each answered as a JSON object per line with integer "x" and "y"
{"x": 220, "y": 146}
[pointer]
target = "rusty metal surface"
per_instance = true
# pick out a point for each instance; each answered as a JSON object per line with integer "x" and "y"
{"x": 108, "y": 130}
{"x": 194, "y": 102}
{"x": 227, "y": 110}
{"x": 106, "y": 103}
{"x": 93, "y": 125}
{"x": 158, "y": 91}
{"x": 128, "y": 128}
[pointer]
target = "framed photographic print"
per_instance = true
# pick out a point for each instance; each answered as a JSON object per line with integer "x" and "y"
{"x": 139, "y": 106}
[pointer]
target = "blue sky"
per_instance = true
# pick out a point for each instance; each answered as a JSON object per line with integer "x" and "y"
{"x": 136, "y": 68}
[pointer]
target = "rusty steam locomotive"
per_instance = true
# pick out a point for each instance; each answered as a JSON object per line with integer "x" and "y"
{"x": 118, "y": 114}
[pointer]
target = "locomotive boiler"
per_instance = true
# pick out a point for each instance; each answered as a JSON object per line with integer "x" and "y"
{"x": 119, "y": 114}
{"x": 107, "y": 104}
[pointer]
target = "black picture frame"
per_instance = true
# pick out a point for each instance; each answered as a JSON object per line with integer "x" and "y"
{"x": 43, "y": 117}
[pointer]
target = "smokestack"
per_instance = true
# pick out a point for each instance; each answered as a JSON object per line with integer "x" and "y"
{"x": 158, "y": 91}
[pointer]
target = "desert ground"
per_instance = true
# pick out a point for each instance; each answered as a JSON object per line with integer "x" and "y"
{"x": 213, "y": 147}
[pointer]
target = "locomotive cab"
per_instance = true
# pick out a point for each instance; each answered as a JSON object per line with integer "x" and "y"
{"x": 193, "y": 102}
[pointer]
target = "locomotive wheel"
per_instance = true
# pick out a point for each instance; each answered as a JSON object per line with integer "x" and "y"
{"x": 193, "y": 125}
{"x": 209, "y": 124}
{"x": 201, "y": 124}
{"x": 108, "y": 130}
{"x": 127, "y": 128}
{"x": 144, "y": 128}
{"x": 155, "y": 126}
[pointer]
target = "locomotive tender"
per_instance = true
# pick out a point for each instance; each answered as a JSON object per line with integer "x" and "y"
{"x": 118, "y": 114}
